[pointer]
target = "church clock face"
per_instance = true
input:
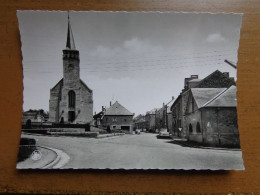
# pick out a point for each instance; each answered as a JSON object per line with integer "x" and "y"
{"x": 71, "y": 67}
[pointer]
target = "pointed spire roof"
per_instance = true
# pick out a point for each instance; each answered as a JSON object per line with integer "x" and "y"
{"x": 70, "y": 40}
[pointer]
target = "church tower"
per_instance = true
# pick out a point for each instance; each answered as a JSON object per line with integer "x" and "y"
{"x": 71, "y": 99}
{"x": 70, "y": 60}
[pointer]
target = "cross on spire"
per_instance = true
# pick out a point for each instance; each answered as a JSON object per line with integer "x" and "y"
{"x": 70, "y": 40}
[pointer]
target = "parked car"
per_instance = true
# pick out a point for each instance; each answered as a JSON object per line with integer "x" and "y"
{"x": 164, "y": 134}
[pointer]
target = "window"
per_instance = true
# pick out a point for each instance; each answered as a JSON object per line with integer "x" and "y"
{"x": 125, "y": 128}
{"x": 72, "y": 99}
{"x": 190, "y": 128}
{"x": 198, "y": 130}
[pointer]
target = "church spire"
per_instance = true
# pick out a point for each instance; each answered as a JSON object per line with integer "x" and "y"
{"x": 70, "y": 40}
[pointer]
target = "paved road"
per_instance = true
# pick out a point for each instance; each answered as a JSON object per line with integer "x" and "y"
{"x": 142, "y": 151}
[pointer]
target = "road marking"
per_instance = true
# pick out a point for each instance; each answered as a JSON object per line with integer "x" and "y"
{"x": 60, "y": 161}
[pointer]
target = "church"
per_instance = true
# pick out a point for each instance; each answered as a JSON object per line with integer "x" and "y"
{"x": 71, "y": 100}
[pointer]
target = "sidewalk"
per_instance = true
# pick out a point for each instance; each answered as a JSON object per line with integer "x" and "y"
{"x": 185, "y": 143}
{"x": 47, "y": 156}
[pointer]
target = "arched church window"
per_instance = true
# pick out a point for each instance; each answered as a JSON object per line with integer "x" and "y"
{"x": 190, "y": 128}
{"x": 72, "y": 99}
{"x": 198, "y": 130}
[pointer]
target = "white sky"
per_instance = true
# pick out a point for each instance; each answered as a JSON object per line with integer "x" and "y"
{"x": 139, "y": 59}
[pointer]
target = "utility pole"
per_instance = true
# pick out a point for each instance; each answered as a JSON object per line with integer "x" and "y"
{"x": 166, "y": 118}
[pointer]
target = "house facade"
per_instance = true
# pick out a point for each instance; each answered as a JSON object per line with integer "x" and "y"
{"x": 216, "y": 79}
{"x": 150, "y": 120}
{"x": 140, "y": 122}
{"x": 163, "y": 117}
{"x": 211, "y": 116}
{"x": 117, "y": 117}
{"x": 34, "y": 117}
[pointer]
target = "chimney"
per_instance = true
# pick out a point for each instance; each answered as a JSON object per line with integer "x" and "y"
{"x": 194, "y": 76}
{"x": 110, "y": 103}
{"x": 172, "y": 97}
{"x": 163, "y": 104}
{"x": 226, "y": 74}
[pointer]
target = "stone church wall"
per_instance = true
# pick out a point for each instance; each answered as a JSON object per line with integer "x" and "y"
{"x": 83, "y": 106}
{"x": 54, "y": 103}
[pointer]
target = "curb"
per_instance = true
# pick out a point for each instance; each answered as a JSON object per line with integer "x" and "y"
{"x": 61, "y": 159}
{"x": 204, "y": 147}
{"x": 109, "y": 135}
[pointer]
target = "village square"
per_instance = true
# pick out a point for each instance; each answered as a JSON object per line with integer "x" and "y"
{"x": 198, "y": 129}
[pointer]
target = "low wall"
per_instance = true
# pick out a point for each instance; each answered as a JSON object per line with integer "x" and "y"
{"x": 196, "y": 138}
{"x": 80, "y": 134}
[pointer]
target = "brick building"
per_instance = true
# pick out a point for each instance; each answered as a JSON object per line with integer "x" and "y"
{"x": 71, "y": 99}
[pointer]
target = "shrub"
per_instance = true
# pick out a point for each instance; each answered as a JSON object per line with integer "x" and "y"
{"x": 27, "y": 141}
{"x": 25, "y": 152}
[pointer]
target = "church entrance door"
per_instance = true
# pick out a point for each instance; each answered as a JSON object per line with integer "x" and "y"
{"x": 71, "y": 116}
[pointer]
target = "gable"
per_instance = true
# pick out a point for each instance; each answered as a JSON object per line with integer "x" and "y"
{"x": 58, "y": 86}
{"x": 85, "y": 86}
{"x": 216, "y": 80}
{"x": 191, "y": 105}
{"x": 203, "y": 95}
{"x": 118, "y": 109}
{"x": 225, "y": 99}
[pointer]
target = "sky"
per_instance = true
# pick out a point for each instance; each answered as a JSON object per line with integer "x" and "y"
{"x": 139, "y": 59}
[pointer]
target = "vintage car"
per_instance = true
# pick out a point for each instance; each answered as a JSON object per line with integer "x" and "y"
{"x": 164, "y": 134}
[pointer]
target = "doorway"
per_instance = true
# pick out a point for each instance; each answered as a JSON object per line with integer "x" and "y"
{"x": 71, "y": 116}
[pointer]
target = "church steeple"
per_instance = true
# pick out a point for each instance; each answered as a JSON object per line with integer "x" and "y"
{"x": 70, "y": 52}
{"x": 70, "y": 60}
{"x": 70, "y": 39}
